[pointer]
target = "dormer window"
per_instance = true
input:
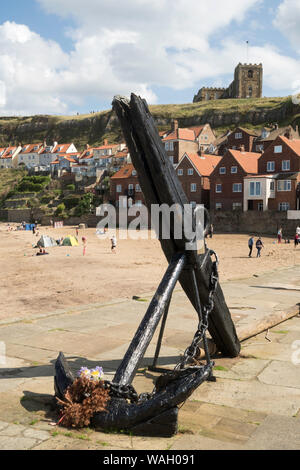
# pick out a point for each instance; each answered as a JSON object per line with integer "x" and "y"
{"x": 35, "y": 148}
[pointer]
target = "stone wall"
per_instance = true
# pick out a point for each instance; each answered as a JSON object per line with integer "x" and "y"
{"x": 253, "y": 223}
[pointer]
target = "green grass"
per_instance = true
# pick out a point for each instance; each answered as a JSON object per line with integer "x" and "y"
{"x": 280, "y": 332}
{"x": 221, "y": 368}
{"x": 92, "y": 128}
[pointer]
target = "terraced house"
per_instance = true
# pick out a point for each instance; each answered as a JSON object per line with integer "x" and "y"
{"x": 9, "y": 157}
{"x": 277, "y": 185}
{"x": 227, "y": 179}
{"x": 193, "y": 172}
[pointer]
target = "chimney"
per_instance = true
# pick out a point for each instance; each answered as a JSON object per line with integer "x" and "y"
{"x": 242, "y": 148}
{"x": 174, "y": 125}
{"x": 45, "y": 143}
{"x": 297, "y": 130}
{"x": 276, "y": 126}
{"x": 105, "y": 142}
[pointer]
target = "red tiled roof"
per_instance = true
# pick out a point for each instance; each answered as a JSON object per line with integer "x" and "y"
{"x": 84, "y": 153}
{"x": 106, "y": 147}
{"x": 247, "y": 160}
{"x": 7, "y": 150}
{"x": 125, "y": 172}
{"x": 205, "y": 164}
{"x": 29, "y": 148}
{"x": 197, "y": 130}
{"x": 293, "y": 144}
{"x": 181, "y": 134}
{"x": 63, "y": 148}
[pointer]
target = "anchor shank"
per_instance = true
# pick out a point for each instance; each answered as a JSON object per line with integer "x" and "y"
{"x": 146, "y": 330}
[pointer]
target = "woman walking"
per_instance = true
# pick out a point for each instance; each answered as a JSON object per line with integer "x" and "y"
{"x": 259, "y": 246}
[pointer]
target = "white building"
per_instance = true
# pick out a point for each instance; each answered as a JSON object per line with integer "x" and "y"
{"x": 9, "y": 157}
{"x": 257, "y": 191}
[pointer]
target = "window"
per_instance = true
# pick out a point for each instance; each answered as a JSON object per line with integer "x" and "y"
{"x": 236, "y": 205}
{"x": 218, "y": 206}
{"x": 119, "y": 188}
{"x": 222, "y": 170}
{"x": 193, "y": 203}
{"x": 284, "y": 185}
{"x": 234, "y": 169}
{"x": 255, "y": 188}
{"x": 130, "y": 187}
{"x": 250, "y": 73}
{"x": 171, "y": 159}
{"x": 270, "y": 166}
{"x": 169, "y": 145}
{"x": 218, "y": 188}
{"x": 278, "y": 149}
{"x": 284, "y": 206}
{"x": 193, "y": 187}
{"x": 137, "y": 188}
{"x": 237, "y": 187}
{"x": 180, "y": 172}
{"x": 272, "y": 186}
{"x": 133, "y": 173}
{"x": 250, "y": 91}
{"x": 286, "y": 165}
{"x": 190, "y": 171}
{"x": 138, "y": 203}
{"x": 238, "y": 135}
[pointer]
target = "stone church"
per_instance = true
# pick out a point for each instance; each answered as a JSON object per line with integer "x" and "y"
{"x": 247, "y": 83}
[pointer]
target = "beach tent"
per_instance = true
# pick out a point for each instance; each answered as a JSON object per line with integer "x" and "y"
{"x": 29, "y": 226}
{"x": 70, "y": 241}
{"x": 46, "y": 241}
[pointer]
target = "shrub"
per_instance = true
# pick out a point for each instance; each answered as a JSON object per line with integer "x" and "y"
{"x": 70, "y": 187}
{"x": 71, "y": 201}
{"x": 60, "y": 209}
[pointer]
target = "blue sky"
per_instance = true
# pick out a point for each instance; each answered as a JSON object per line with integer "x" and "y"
{"x": 68, "y": 56}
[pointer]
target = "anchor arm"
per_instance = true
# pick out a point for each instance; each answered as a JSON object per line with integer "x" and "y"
{"x": 127, "y": 369}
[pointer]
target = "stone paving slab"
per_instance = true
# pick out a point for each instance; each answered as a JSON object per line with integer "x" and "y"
{"x": 287, "y": 436}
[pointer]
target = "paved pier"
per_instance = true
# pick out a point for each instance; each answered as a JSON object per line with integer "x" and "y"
{"x": 255, "y": 403}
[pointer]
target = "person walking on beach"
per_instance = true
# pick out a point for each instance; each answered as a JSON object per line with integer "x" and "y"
{"x": 84, "y": 245}
{"x": 250, "y": 245}
{"x": 296, "y": 240}
{"x": 113, "y": 244}
{"x": 259, "y": 246}
{"x": 279, "y": 235}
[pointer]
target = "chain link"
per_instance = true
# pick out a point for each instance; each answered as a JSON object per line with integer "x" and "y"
{"x": 192, "y": 350}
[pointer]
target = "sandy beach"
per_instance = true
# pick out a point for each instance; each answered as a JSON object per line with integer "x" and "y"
{"x": 65, "y": 278}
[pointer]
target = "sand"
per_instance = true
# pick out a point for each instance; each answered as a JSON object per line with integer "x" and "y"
{"x": 31, "y": 284}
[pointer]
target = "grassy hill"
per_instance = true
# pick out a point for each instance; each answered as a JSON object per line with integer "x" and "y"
{"x": 93, "y": 128}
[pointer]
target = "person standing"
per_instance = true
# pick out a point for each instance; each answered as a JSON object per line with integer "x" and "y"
{"x": 113, "y": 243}
{"x": 296, "y": 240}
{"x": 259, "y": 246}
{"x": 84, "y": 245}
{"x": 250, "y": 245}
{"x": 279, "y": 235}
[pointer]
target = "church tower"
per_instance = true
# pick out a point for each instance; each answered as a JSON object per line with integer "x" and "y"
{"x": 248, "y": 81}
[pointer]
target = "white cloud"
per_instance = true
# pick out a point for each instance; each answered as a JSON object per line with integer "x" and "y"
{"x": 287, "y": 20}
{"x": 129, "y": 46}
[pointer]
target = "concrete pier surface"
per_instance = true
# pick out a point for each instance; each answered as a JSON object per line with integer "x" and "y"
{"x": 255, "y": 403}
